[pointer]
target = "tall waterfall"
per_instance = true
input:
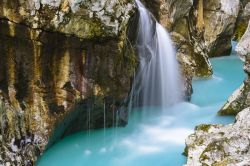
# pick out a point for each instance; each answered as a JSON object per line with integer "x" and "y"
{"x": 157, "y": 81}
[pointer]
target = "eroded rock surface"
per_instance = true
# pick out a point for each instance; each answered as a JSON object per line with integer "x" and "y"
{"x": 83, "y": 18}
{"x": 229, "y": 144}
{"x": 221, "y": 145}
{"x": 62, "y": 58}
{"x": 182, "y": 21}
{"x": 242, "y": 20}
{"x": 240, "y": 99}
{"x": 219, "y": 23}
{"x": 59, "y": 60}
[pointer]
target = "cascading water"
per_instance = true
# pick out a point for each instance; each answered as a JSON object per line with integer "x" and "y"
{"x": 157, "y": 81}
{"x": 104, "y": 122}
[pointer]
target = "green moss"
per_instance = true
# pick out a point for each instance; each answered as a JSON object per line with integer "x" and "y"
{"x": 3, "y": 117}
{"x": 227, "y": 112}
{"x": 214, "y": 146}
{"x": 222, "y": 163}
{"x": 180, "y": 27}
{"x": 185, "y": 151}
{"x": 240, "y": 30}
{"x": 202, "y": 68}
{"x": 222, "y": 133}
{"x": 203, "y": 127}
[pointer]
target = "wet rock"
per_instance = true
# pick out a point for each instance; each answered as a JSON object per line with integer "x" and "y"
{"x": 185, "y": 50}
{"x": 61, "y": 59}
{"x": 226, "y": 145}
{"x": 182, "y": 21}
{"x": 243, "y": 47}
{"x": 240, "y": 99}
{"x": 56, "y": 56}
{"x": 219, "y": 24}
{"x": 242, "y": 20}
{"x": 169, "y": 12}
{"x": 220, "y": 145}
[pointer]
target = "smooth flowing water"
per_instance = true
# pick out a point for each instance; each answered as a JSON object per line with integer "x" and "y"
{"x": 157, "y": 81}
{"x": 157, "y": 139}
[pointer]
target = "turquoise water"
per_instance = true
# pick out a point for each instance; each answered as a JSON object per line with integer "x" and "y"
{"x": 152, "y": 137}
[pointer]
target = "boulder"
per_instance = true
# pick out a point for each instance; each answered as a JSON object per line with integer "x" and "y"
{"x": 220, "y": 145}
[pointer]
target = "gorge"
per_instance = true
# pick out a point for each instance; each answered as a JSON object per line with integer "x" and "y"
{"x": 78, "y": 82}
{"x": 153, "y": 135}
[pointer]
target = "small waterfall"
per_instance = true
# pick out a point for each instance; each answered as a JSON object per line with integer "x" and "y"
{"x": 104, "y": 122}
{"x": 89, "y": 121}
{"x": 116, "y": 124}
{"x": 113, "y": 114}
{"x": 158, "y": 80}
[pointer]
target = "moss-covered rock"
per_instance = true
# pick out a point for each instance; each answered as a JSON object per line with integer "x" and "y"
{"x": 58, "y": 62}
{"x": 226, "y": 145}
{"x": 84, "y": 18}
{"x": 240, "y": 30}
{"x": 242, "y": 20}
{"x": 220, "y": 145}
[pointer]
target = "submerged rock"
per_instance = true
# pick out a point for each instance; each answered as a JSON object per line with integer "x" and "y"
{"x": 240, "y": 98}
{"x": 221, "y": 145}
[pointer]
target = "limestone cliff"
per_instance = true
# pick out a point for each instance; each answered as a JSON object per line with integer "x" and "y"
{"x": 242, "y": 19}
{"x": 59, "y": 59}
{"x": 240, "y": 98}
{"x": 226, "y": 145}
{"x": 207, "y": 26}
{"x": 200, "y": 29}
{"x": 181, "y": 19}
{"x": 220, "y": 20}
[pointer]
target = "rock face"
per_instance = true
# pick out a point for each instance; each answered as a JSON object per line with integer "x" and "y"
{"x": 59, "y": 60}
{"x": 221, "y": 145}
{"x": 66, "y": 62}
{"x": 207, "y": 26}
{"x": 242, "y": 20}
{"x": 203, "y": 29}
{"x": 182, "y": 21}
{"x": 63, "y": 64}
{"x": 82, "y": 18}
{"x": 219, "y": 24}
{"x": 226, "y": 145}
{"x": 240, "y": 98}
{"x": 246, "y": 12}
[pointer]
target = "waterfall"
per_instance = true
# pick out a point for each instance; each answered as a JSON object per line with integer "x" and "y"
{"x": 158, "y": 80}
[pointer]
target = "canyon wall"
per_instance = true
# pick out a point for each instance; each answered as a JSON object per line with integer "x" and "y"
{"x": 59, "y": 60}
{"x": 70, "y": 61}
{"x": 229, "y": 144}
{"x": 240, "y": 98}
